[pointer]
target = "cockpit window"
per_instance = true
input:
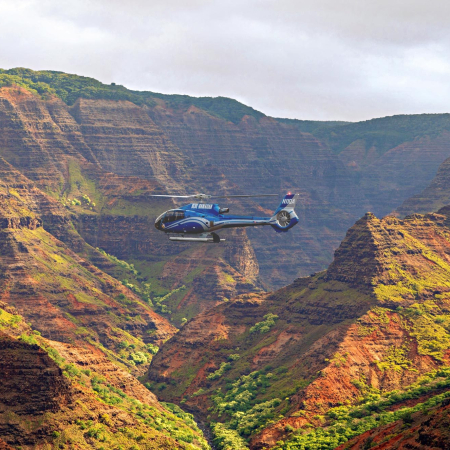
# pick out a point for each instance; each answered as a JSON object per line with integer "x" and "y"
{"x": 172, "y": 216}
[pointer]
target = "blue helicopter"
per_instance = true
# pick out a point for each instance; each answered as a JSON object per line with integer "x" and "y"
{"x": 197, "y": 222}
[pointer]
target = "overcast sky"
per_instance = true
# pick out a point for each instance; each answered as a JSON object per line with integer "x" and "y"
{"x": 305, "y": 59}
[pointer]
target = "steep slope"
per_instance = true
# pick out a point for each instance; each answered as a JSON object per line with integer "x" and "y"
{"x": 59, "y": 395}
{"x": 435, "y": 196}
{"x": 125, "y": 141}
{"x": 61, "y": 294}
{"x": 425, "y": 430}
{"x": 375, "y": 321}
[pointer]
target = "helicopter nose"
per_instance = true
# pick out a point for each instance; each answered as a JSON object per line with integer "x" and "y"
{"x": 158, "y": 224}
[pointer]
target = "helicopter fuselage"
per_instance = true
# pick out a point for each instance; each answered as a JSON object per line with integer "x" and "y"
{"x": 197, "y": 218}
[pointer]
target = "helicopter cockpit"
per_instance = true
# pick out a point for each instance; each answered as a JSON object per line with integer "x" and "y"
{"x": 169, "y": 216}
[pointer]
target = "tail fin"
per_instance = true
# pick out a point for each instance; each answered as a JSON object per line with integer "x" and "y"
{"x": 288, "y": 203}
{"x": 284, "y": 216}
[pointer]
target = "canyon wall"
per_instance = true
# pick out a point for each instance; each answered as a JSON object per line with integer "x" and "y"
{"x": 182, "y": 144}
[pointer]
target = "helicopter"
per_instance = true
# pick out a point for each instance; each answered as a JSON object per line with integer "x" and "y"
{"x": 197, "y": 222}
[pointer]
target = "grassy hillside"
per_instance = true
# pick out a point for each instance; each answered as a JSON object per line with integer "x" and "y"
{"x": 70, "y": 87}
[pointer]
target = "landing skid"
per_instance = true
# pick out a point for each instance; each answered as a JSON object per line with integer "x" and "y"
{"x": 211, "y": 238}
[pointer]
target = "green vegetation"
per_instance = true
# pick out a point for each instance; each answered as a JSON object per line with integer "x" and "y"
{"x": 226, "y": 438}
{"x": 346, "y": 422}
{"x": 70, "y": 87}
{"x": 158, "y": 301}
{"x": 9, "y": 320}
{"x": 61, "y": 273}
{"x": 240, "y": 409}
{"x": 86, "y": 428}
{"x": 174, "y": 422}
{"x": 265, "y": 325}
{"x": 338, "y": 360}
{"x": 312, "y": 126}
{"x": 396, "y": 359}
{"x": 139, "y": 358}
{"x": 433, "y": 338}
{"x": 85, "y": 200}
{"x": 128, "y": 267}
{"x": 80, "y": 192}
{"x": 28, "y": 339}
{"x": 224, "y": 367}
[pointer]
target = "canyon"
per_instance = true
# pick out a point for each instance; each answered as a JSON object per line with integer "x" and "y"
{"x": 336, "y": 333}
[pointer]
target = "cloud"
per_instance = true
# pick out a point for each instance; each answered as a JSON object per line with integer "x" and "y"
{"x": 322, "y": 59}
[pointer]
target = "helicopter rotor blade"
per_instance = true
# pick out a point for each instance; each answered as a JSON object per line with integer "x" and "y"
{"x": 206, "y": 196}
{"x": 173, "y": 196}
{"x": 235, "y": 196}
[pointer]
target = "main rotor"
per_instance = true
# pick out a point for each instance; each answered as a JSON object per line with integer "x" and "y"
{"x": 202, "y": 197}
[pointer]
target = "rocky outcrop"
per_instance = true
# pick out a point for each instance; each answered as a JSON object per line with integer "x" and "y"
{"x": 59, "y": 293}
{"x": 125, "y": 141}
{"x": 5, "y": 446}
{"x": 31, "y": 382}
{"x": 30, "y": 139}
{"x": 42, "y": 404}
{"x": 93, "y": 359}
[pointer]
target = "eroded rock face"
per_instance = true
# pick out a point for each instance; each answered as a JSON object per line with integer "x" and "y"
{"x": 40, "y": 405}
{"x": 31, "y": 140}
{"x": 4, "y": 445}
{"x": 55, "y": 289}
{"x": 388, "y": 256}
{"x": 45, "y": 292}
{"x": 31, "y": 382}
{"x": 82, "y": 144}
{"x": 125, "y": 141}
{"x": 95, "y": 360}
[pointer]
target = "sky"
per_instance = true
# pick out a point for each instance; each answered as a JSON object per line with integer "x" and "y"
{"x": 305, "y": 59}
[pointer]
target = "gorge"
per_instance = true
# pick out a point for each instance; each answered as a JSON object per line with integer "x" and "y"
{"x": 336, "y": 333}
